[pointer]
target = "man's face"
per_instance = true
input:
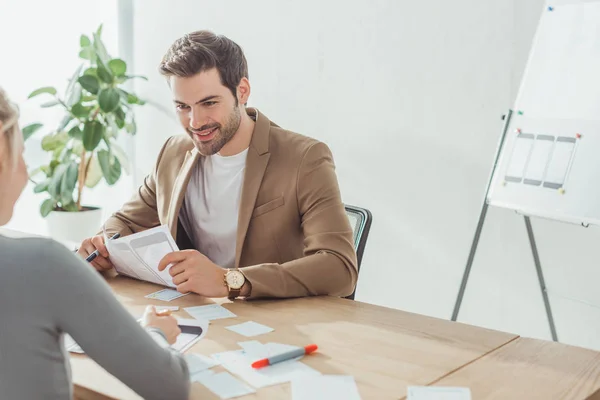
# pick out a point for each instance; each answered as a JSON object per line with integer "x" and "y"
{"x": 207, "y": 110}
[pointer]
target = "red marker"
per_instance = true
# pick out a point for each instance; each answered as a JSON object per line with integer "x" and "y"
{"x": 311, "y": 348}
{"x": 578, "y": 136}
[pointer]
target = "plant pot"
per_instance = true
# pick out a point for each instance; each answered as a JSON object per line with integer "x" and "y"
{"x": 73, "y": 227}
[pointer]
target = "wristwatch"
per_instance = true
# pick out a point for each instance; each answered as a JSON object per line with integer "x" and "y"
{"x": 234, "y": 280}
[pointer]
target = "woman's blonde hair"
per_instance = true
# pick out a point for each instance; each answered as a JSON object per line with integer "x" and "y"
{"x": 9, "y": 116}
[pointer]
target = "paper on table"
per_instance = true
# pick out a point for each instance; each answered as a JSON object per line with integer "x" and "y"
{"x": 138, "y": 255}
{"x": 71, "y": 345}
{"x": 438, "y": 393}
{"x": 166, "y": 295}
{"x": 198, "y": 362}
{"x": 209, "y": 312}
{"x": 223, "y": 385}
{"x": 325, "y": 387}
{"x": 250, "y": 329}
{"x": 239, "y": 363}
{"x": 186, "y": 340}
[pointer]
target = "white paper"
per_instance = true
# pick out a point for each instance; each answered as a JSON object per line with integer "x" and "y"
{"x": 165, "y": 295}
{"x": 250, "y": 329}
{"x": 254, "y": 350}
{"x": 71, "y": 345}
{"x": 209, "y": 312}
{"x": 201, "y": 375}
{"x": 438, "y": 393}
{"x": 559, "y": 163}
{"x": 187, "y": 340}
{"x": 538, "y": 161}
{"x": 325, "y": 387}
{"x": 224, "y": 385}
{"x": 165, "y": 308}
{"x": 138, "y": 255}
{"x": 238, "y": 363}
{"x": 198, "y": 363}
{"x": 519, "y": 157}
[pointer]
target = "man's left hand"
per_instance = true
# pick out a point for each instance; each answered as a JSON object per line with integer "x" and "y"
{"x": 192, "y": 271}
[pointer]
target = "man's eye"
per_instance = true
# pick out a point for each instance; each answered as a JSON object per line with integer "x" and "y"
{"x": 210, "y": 103}
{"x": 182, "y": 107}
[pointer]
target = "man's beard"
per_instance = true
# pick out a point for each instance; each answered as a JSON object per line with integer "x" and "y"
{"x": 222, "y": 136}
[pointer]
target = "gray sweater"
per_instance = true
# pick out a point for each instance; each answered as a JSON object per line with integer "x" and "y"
{"x": 46, "y": 291}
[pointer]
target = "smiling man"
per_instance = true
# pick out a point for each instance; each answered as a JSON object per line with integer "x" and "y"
{"x": 256, "y": 209}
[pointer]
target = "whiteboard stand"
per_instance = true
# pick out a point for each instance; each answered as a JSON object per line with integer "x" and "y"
{"x": 477, "y": 235}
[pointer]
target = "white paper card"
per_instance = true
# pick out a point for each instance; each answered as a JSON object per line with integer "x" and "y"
{"x": 224, "y": 385}
{"x": 438, "y": 393}
{"x": 187, "y": 340}
{"x": 164, "y": 308}
{"x": 201, "y": 376}
{"x": 538, "y": 160}
{"x": 519, "y": 156}
{"x": 198, "y": 362}
{"x": 250, "y": 329}
{"x": 138, "y": 255}
{"x": 238, "y": 363}
{"x": 209, "y": 312}
{"x": 166, "y": 295}
{"x": 560, "y": 162}
{"x": 325, "y": 387}
{"x": 71, "y": 345}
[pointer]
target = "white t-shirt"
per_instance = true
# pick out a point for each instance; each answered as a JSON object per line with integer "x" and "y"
{"x": 209, "y": 212}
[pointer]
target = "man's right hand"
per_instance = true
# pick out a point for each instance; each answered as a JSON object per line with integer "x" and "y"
{"x": 88, "y": 246}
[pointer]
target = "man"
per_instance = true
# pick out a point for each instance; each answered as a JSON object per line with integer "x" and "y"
{"x": 255, "y": 209}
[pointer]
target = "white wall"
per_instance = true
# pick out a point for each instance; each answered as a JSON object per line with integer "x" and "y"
{"x": 409, "y": 96}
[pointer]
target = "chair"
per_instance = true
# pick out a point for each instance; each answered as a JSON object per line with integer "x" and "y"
{"x": 360, "y": 220}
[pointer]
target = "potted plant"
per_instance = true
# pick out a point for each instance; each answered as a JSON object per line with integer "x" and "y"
{"x": 83, "y": 148}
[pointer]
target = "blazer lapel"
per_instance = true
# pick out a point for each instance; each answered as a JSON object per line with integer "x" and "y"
{"x": 256, "y": 164}
{"x": 179, "y": 188}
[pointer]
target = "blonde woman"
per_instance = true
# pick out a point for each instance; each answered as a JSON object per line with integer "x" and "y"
{"x": 46, "y": 292}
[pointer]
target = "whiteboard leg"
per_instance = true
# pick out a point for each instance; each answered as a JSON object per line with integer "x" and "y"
{"x": 463, "y": 284}
{"x": 538, "y": 267}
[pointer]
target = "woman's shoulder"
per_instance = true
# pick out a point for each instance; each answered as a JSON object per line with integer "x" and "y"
{"x": 34, "y": 252}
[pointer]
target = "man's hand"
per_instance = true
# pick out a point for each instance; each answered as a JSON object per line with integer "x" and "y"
{"x": 88, "y": 246}
{"x": 192, "y": 271}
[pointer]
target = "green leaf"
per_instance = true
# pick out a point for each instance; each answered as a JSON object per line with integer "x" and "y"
{"x": 108, "y": 99}
{"x": 70, "y": 207}
{"x": 100, "y": 49}
{"x": 94, "y": 173}
{"x": 64, "y": 122}
{"x": 76, "y": 133}
{"x": 84, "y": 41}
{"x": 89, "y": 83}
{"x": 47, "y": 89}
{"x": 58, "y": 151}
{"x": 46, "y": 207}
{"x": 99, "y": 30}
{"x": 52, "y": 142}
{"x": 73, "y": 92}
{"x": 104, "y": 74}
{"x": 29, "y": 130}
{"x": 92, "y": 134}
{"x": 54, "y": 188}
{"x": 117, "y": 66}
{"x": 68, "y": 183}
{"x": 80, "y": 111}
{"x": 131, "y": 128}
{"x": 88, "y": 98}
{"x": 91, "y": 71}
{"x": 50, "y": 103}
{"x": 111, "y": 168}
{"x": 87, "y": 53}
{"x": 120, "y": 117}
{"x": 121, "y": 156}
{"x": 42, "y": 186}
{"x": 136, "y": 76}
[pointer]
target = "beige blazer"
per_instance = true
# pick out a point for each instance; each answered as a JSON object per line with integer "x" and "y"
{"x": 293, "y": 239}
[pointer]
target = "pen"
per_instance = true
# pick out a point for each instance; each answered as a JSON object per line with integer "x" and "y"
{"x": 311, "y": 348}
{"x": 95, "y": 254}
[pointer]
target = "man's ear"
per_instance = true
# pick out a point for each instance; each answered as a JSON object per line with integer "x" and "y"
{"x": 243, "y": 91}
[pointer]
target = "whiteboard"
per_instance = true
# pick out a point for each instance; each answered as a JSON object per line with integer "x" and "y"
{"x": 549, "y": 161}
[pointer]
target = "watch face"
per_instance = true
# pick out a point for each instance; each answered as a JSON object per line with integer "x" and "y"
{"x": 235, "y": 279}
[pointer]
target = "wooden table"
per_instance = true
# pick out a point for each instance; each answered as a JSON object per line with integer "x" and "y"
{"x": 384, "y": 349}
{"x": 531, "y": 369}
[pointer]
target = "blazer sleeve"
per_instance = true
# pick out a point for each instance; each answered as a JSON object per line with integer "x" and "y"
{"x": 329, "y": 265}
{"x": 140, "y": 212}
